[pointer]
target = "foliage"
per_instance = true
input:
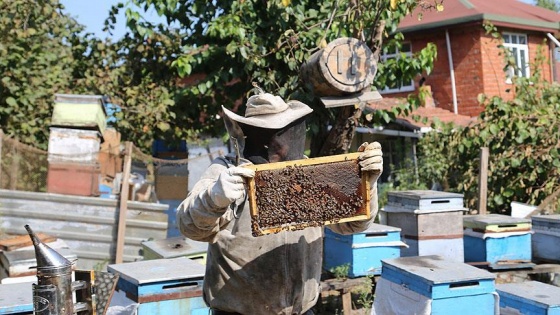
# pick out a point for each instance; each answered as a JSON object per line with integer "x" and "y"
{"x": 219, "y": 48}
{"x": 553, "y": 5}
{"x": 136, "y": 73}
{"x": 365, "y": 294}
{"x": 36, "y": 61}
{"x": 522, "y": 135}
{"x": 403, "y": 177}
{"x": 340, "y": 272}
{"x": 227, "y": 45}
{"x": 43, "y": 52}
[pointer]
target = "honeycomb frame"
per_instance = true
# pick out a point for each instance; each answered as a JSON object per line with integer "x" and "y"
{"x": 291, "y": 195}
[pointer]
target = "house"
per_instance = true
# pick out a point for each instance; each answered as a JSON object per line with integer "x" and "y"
{"x": 469, "y": 62}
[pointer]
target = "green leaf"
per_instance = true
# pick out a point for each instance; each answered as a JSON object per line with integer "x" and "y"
{"x": 11, "y": 101}
{"x": 163, "y": 126}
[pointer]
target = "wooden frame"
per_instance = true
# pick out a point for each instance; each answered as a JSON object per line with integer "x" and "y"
{"x": 252, "y": 193}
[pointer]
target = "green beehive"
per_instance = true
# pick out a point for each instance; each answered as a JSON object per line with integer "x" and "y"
{"x": 79, "y": 111}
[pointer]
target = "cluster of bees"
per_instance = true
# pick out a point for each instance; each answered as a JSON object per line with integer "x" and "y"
{"x": 304, "y": 196}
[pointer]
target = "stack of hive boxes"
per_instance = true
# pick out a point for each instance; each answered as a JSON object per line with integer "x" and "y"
{"x": 498, "y": 241}
{"x": 431, "y": 222}
{"x": 77, "y": 126}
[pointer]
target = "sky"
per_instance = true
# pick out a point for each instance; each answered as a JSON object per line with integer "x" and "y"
{"x": 92, "y": 14}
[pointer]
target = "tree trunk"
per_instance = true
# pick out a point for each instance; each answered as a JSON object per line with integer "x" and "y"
{"x": 342, "y": 133}
{"x": 340, "y": 136}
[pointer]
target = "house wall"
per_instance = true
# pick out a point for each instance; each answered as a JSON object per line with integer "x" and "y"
{"x": 467, "y": 64}
{"x": 478, "y": 66}
{"x": 493, "y": 63}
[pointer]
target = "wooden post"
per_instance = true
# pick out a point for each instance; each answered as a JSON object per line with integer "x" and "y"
{"x": 123, "y": 203}
{"x": 14, "y": 167}
{"x": 483, "y": 181}
{"x": 1, "y": 141}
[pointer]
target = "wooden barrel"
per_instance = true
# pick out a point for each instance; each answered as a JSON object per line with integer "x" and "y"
{"x": 345, "y": 66}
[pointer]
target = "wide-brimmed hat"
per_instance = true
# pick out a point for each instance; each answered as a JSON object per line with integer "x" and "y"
{"x": 270, "y": 111}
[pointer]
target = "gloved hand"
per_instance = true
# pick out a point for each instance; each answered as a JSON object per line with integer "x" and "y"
{"x": 371, "y": 159}
{"x": 230, "y": 186}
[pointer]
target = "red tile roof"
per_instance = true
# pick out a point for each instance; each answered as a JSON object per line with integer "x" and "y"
{"x": 431, "y": 113}
{"x": 511, "y": 13}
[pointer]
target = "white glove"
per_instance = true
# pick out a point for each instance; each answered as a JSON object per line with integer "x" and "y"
{"x": 230, "y": 186}
{"x": 371, "y": 160}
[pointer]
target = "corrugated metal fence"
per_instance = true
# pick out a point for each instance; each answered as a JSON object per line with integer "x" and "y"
{"x": 88, "y": 225}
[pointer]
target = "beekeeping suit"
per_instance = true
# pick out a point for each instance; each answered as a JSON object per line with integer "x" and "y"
{"x": 269, "y": 274}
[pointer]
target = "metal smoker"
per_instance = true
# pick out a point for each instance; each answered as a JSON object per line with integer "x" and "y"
{"x": 56, "y": 293}
{"x": 52, "y": 295}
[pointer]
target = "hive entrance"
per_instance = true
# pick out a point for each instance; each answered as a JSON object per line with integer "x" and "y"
{"x": 312, "y": 192}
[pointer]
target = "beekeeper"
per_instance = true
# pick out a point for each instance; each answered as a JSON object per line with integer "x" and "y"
{"x": 270, "y": 274}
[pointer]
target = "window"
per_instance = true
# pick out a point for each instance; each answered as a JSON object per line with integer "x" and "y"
{"x": 406, "y": 49}
{"x": 517, "y": 44}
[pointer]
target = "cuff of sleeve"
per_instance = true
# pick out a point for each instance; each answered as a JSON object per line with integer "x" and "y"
{"x": 209, "y": 204}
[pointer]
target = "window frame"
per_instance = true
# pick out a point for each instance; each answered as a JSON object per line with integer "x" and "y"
{"x": 395, "y": 55}
{"x": 520, "y": 53}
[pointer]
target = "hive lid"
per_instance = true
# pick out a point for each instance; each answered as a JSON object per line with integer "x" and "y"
{"x": 539, "y": 292}
{"x": 423, "y": 194}
{"x": 423, "y": 200}
{"x": 16, "y": 298}
{"x": 552, "y": 218}
{"x": 158, "y": 270}
{"x": 81, "y": 99}
{"x": 436, "y": 269}
{"x": 176, "y": 246}
{"x": 496, "y": 223}
{"x": 381, "y": 228}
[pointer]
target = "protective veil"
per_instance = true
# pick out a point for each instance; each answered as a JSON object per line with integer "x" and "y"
{"x": 271, "y": 130}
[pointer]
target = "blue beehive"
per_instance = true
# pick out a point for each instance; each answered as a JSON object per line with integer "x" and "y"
{"x": 362, "y": 251}
{"x": 546, "y": 236}
{"x": 498, "y": 240}
{"x": 16, "y": 298}
{"x": 531, "y": 297}
{"x": 163, "y": 286}
{"x": 452, "y": 287}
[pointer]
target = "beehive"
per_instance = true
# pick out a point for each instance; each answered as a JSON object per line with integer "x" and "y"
{"x": 420, "y": 213}
{"x": 530, "y": 297}
{"x": 546, "y": 236}
{"x": 448, "y": 287}
{"x": 163, "y": 286}
{"x": 362, "y": 251}
{"x": 297, "y": 194}
{"x": 79, "y": 111}
{"x": 498, "y": 240}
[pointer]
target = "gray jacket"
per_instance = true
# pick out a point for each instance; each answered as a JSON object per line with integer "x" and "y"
{"x": 270, "y": 274}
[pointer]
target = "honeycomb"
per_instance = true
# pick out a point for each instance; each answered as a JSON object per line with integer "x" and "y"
{"x": 299, "y": 196}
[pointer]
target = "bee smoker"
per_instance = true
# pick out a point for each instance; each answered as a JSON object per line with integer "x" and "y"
{"x": 52, "y": 295}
